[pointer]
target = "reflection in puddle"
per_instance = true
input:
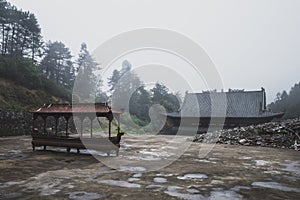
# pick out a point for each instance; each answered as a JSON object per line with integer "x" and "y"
{"x": 261, "y": 162}
{"x": 246, "y": 158}
{"x": 11, "y": 183}
{"x": 160, "y": 180}
{"x": 149, "y": 158}
{"x": 217, "y": 182}
{"x": 293, "y": 167}
{"x": 213, "y": 159}
{"x": 133, "y": 179}
{"x": 238, "y": 188}
{"x": 193, "y": 191}
{"x": 153, "y": 153}
{"x": 154, "y": 187}
{"x": 138, "y": 175}
{"x": 165, "y": 175}
{"x": 275, "y": 185}
{"x": 132, "y": 169}
{"x": 119, "y": 183}
{"x": 225, "y": 194}
{"x": 192, "y": 176}
{"x": 173, "y": 191}
{"x": 85, "y": 196}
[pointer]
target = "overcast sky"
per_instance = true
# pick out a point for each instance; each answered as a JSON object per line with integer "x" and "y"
{"x": 253, "y": 43}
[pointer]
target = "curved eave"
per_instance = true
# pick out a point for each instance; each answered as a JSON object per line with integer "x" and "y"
{"x": 271, "y": 115}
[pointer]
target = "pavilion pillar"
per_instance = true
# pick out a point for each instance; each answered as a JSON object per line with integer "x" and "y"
{"x": 45, "y": 122}
{"x": 56, "y": 124}
{"x": 110, "y": 117}
{"x": 81, "y": 126}
{"x": 91, "y": 119}
{"x": 118, "y": 120}
{"x": 67, "y": 124}
{"x": 33, "y": 120}
{"x": 109, "y": 128}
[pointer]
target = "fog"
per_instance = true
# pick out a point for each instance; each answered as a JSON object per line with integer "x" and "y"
{"x": 253, "y": 43}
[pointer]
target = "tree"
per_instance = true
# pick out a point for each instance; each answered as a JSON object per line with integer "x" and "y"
{"x": 162, "y": 96}
{"x": 113, "y": 80}
{"x": 86, "y": 81}
{"x": 139, "y": 105}
{"x": 101, "y": 96}
{"x": 123, "y": 84}
{"x": 287, "y": 103}
{"x": 129, "y": 93}
{"x": 57, "y": 65}
{"x": 20, "y": 32}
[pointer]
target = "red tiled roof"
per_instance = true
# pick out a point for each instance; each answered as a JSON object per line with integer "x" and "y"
{"x": 65, "y": 108}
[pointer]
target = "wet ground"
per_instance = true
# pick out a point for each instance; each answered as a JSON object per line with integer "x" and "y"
{"x": 226, "y": 172}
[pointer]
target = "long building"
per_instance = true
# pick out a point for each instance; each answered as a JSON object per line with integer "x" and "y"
{"x": 234, "y": 108}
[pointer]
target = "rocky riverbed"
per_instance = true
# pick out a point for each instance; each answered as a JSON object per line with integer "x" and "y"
{"x": 225, "y": 172}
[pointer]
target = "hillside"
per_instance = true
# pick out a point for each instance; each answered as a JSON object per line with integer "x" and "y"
{"x": 17, "y": 97}
{"x": 23, "y": 87}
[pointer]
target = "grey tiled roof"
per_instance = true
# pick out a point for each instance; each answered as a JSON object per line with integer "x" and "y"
{"x": 236, "y": 104}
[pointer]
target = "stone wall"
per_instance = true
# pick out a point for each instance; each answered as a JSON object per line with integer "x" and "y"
{"x": 15, "y": 122}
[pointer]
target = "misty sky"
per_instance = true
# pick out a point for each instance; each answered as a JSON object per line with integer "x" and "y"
{"x": 253, "y": 43}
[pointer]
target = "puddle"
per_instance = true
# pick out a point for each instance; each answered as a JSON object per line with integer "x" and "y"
{"x": 217, "y": 182}
{"x": 156, "y": 154}
{"x": 275, "y": 185}
{"x": 192, "y": 176}
{"x": 52, "y": 182}
{"x": 165, "y": 175}
{"x": 174, "y": 188}
{"x": 14, "y": 151}
{"x": 272, "y": 172}
{"x": 14, "y": 154}
{"x": 293, "y": 167}
{"x": 138, "y": 175}
{"x": 132, "y": 169}
{"x": 154, "y": 187}
{"x": 261, "y": 162}
{"x": 225, "y": 194}
{"x": 160, "y": 180}
{"x": 172, "y": 191}
{"x": 149, "y": 158}
{"x": 212, "y": 159}
{"x": 47, "y": 185}
{"x": 246, "y": 158}
{"x": 238, "y": 188}
{"x": 85, "y": 196}
{"x": 119, "y": 183}
{"x": 133, "y": 179}
{"x": 202, "y": 160}
{"x": 11, "y": 183}
{"x": 193, "y": 191}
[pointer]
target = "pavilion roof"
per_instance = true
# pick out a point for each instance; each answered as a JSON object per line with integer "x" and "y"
{"x": 78, "y": 108}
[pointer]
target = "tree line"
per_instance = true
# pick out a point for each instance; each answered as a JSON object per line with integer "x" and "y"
{"x": 128, "y": 92}
{"x": 20, "y": 32}
{"x": 30, "y": 61}
{"x": 287, "y": 102}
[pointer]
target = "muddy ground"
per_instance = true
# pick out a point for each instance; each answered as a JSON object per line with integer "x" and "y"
{"x": 226, "y": 172}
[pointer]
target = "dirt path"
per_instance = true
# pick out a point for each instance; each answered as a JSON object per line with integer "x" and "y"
{"x": 226, "y": 172}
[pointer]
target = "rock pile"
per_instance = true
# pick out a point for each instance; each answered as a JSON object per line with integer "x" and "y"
{"x": 284, "y": 134}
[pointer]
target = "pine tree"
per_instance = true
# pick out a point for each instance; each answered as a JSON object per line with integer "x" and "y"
{"x": 57, "y": 65}
{"x": 20, "y": 33}
{"x": 86, "y": 80}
